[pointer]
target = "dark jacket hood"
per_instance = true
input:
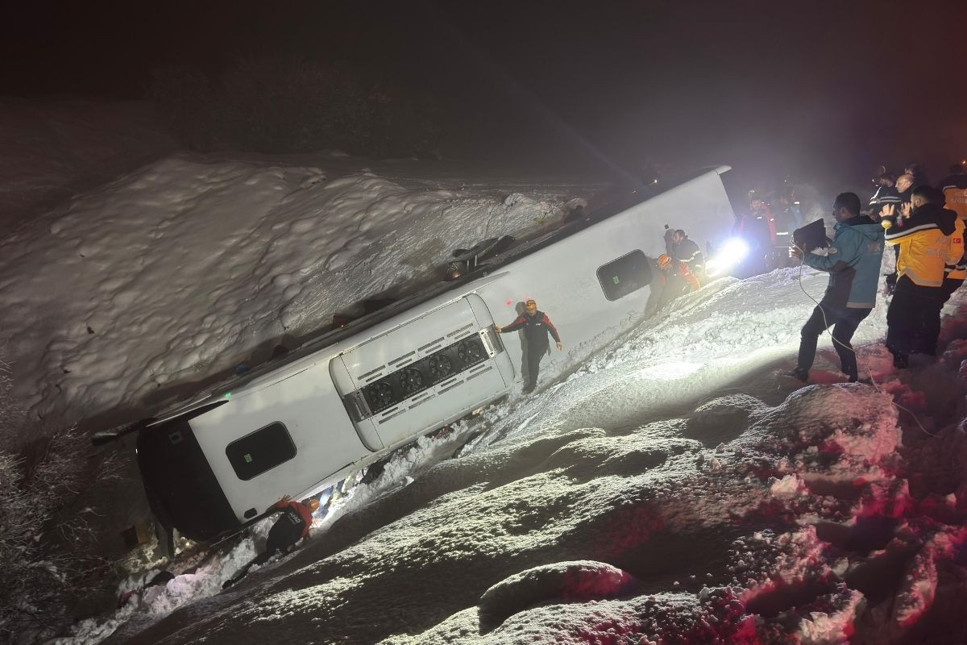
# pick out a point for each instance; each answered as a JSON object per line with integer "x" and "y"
{"x": 934, "y": 213}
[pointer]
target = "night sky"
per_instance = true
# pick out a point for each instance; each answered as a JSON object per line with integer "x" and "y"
{"x": 821, "y": 91}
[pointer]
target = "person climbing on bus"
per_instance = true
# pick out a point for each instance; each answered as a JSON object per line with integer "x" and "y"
{"x": 536, "y": 326}
{"x": 292, "y": 526}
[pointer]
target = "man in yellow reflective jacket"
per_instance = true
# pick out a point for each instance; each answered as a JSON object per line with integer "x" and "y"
{"x": 923, "y": 233}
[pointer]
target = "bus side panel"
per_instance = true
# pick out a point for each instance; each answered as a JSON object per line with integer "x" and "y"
{"x": 563, "y": 276}
{"x": 310, "y": 409}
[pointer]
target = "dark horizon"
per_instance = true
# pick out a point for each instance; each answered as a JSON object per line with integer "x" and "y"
{"x": 774, "y": 91}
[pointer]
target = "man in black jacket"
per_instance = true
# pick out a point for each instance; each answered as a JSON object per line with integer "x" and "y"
{"x": 536, "y": 326}
{"x": 886, "y": 193}
{"x": 904, "y": 191}
{"x": 687, "y": 251}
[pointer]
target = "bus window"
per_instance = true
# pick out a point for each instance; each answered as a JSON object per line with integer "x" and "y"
{"x": 260, "y": 451}
{"x": 625, "y": 275}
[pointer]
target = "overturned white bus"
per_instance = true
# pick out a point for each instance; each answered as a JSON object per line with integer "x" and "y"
{"x": 350, "y": 397}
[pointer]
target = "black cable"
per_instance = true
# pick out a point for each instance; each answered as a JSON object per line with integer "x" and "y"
{"x": 870, "y": 372}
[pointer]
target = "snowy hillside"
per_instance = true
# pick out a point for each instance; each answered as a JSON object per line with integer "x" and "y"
{"x": 190, "y": 266}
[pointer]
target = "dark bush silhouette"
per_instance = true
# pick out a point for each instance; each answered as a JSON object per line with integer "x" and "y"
{"x": 45, "y": 534}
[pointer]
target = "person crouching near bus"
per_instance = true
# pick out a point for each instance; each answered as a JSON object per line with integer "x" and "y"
{"x": 293, "y": 525}
{"x": 674, "y": 280}
{"x": 536, "y": 326}
{"x": 687, "y": 252}
{"x": 921, "y": 231}
{"x": 853, "y": 262}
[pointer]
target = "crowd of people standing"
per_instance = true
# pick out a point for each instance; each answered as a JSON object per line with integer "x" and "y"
{"x": 924, "y": 224}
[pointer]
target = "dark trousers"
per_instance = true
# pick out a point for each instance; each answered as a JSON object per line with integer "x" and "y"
{"x": 283, "y": 535}
{"x": 533, "y": 358}
{"x": 892, "y": 277}
{"x": 913, "y": 319}
{"x": 949, "y": 286}
{"x": 844, "y": 322}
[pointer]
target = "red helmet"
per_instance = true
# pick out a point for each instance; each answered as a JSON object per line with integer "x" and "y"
{"x": 664, "y": 261}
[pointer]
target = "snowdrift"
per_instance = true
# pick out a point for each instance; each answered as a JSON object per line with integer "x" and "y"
{"x": 193, "y": 265}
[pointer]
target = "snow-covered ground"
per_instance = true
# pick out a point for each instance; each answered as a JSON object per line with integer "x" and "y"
{"x": 673, "y": 488}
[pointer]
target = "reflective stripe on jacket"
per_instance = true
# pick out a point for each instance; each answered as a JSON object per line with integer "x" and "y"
{"x": 956, "y": 268}
{"x": 954, "y": 189}
{"x": 923, "y": 243}
{"x": 296, "y": 513}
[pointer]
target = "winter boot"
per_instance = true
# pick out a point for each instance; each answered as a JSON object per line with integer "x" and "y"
{"x": 800, "y": 374}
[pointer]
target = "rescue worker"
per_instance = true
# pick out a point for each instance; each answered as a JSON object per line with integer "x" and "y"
{"x": 674, "y": 280}
{"x": 756, "y": 233}
{"x": 904, "y": 189}
{"x": 853, "y": 262}
{"x": 954, "y": 189}
{"x": 788, "y": 214}
{"x": 886, "y": 193}
{"x": 686, "y": 252}
{"x": 292, "y": 526}
{"x": 536, "y": 326}
{"x": 956, "y": 262}
{"x": 921, "y": 232}
{"x": 761, "y": 211}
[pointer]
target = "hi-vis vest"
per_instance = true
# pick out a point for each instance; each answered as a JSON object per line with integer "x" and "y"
{"x": 956, "y": 268}
{"x": 955, "y": 193}
{"x": 954, "y": 189}
{"x": 924, "y": 248}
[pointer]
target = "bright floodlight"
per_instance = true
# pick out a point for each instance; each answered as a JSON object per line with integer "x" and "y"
{"x": 731, "y": 253}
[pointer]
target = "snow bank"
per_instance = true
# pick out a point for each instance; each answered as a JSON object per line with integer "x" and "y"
{"x": 193, "y": 265}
